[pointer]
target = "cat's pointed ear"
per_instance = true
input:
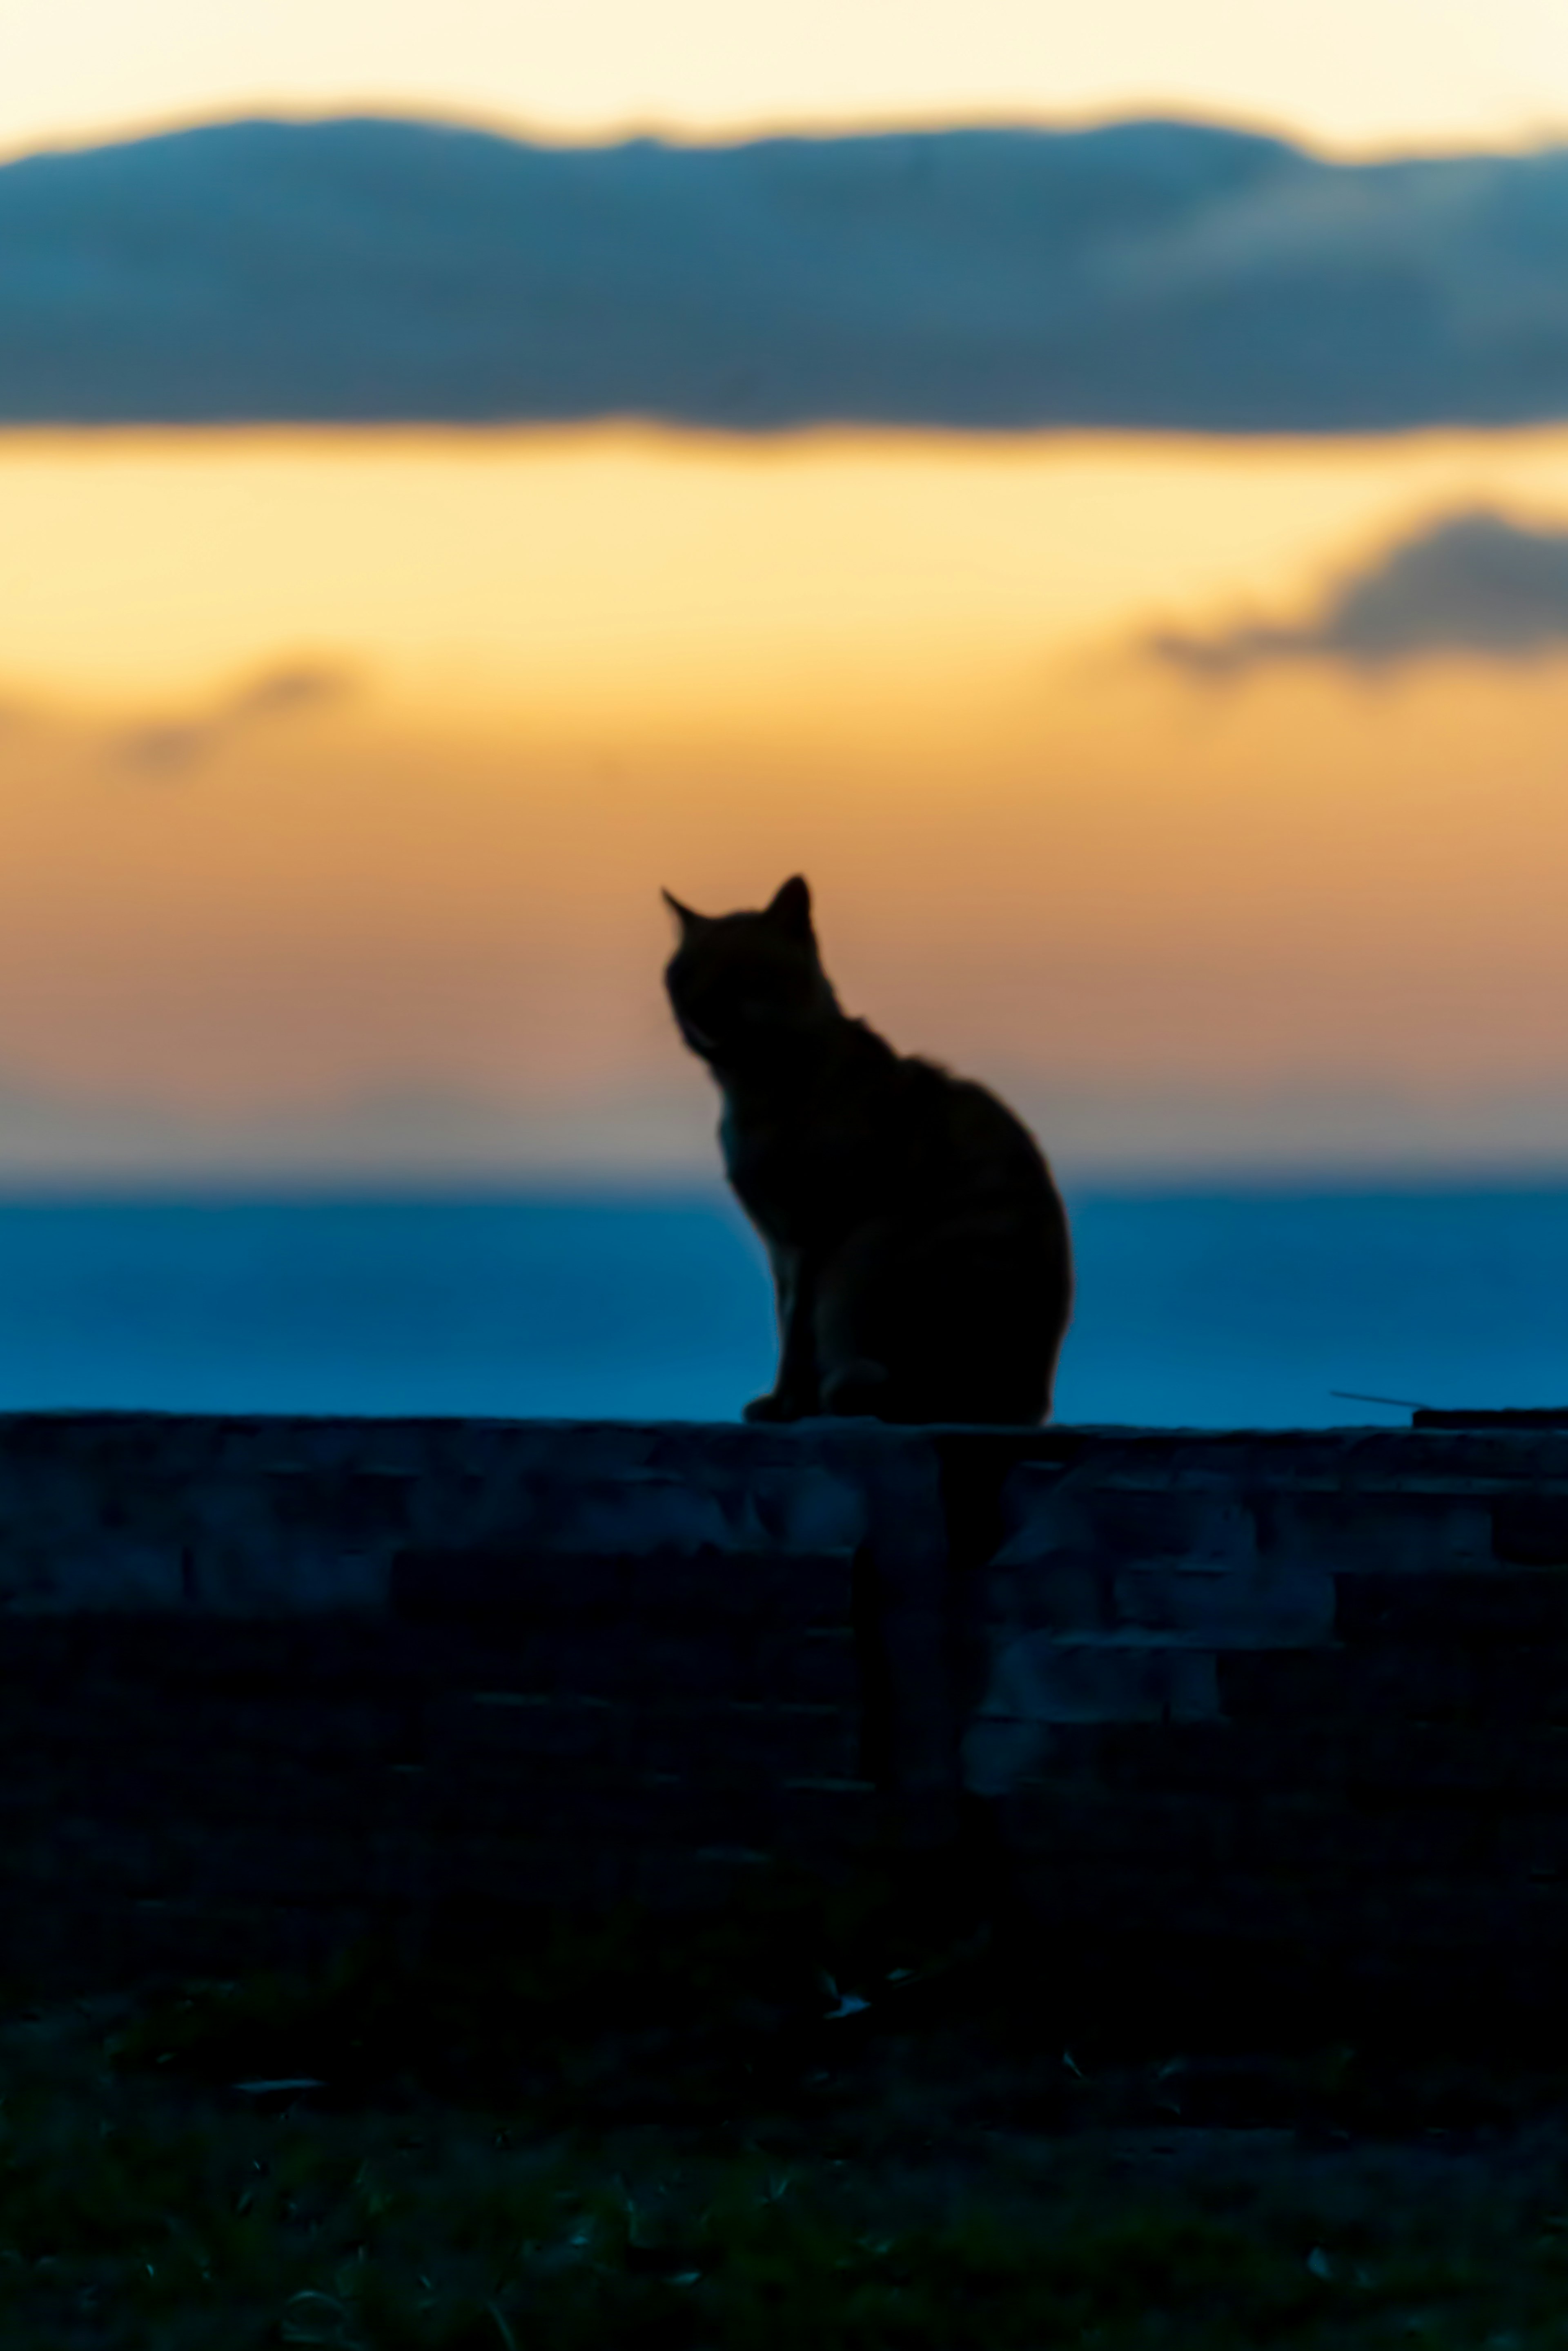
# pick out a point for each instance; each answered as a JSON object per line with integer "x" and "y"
{"x": 688, "y": 919}
{"x": 790, "y": 907}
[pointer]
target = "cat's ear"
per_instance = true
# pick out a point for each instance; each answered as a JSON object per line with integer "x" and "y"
{"x": 790, "y": 907}
{"x": 688, "y": 919}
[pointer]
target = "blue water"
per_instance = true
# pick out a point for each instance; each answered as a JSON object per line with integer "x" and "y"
{"x": 1241, "y": 1307}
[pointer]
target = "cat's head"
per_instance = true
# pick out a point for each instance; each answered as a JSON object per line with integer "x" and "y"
{"x": 746, "y": 987}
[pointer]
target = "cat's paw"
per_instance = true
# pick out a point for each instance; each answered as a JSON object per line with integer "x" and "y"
{"x": 857, "y": 1390}
{"x": 772, "y": 1408}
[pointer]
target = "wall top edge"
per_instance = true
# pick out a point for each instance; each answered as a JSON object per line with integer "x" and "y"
{"x": 1059, "y": 1439}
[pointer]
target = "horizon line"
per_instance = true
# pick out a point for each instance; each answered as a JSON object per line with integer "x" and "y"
{"x": 590, "y": 1187}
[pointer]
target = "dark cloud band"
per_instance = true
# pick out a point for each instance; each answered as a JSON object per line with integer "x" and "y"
{"x": 1147, "y": 275}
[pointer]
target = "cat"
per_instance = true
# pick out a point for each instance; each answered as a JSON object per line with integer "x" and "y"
{"x": 919, "y": 1245}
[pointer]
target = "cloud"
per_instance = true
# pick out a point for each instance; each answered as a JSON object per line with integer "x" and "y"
{"x": 1474, "y": 582}
{"x": 304, "y": 686}
{"x": 170, "y": 747}
{"x": 1147, "y": 275}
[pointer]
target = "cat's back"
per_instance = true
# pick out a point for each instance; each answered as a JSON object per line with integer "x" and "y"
{"x": 965, "y": 1140}
{"x": 977, "y": 1283}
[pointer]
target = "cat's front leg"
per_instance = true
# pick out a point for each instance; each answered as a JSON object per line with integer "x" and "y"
{"x": 850, "y": 1318}
{"x": 794, "y": 1392}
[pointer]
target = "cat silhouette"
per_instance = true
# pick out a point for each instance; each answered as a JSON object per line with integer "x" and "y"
{"x": 919, "y": 1245}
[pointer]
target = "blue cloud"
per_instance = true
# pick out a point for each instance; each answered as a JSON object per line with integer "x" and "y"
{"x": 172, "y": 746}
{"x": 1475, "y": 582}
{"x": 1149, "y": 275}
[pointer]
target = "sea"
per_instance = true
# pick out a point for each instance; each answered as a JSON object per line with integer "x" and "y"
{"x": 1240, "y": 1306}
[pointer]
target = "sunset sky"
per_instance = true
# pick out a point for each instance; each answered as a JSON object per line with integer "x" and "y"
{"x": 1364, "y": 74}
{"x": 339, "y": 769}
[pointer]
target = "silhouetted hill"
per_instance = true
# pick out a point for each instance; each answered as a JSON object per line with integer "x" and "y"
{"x": 1151, "y": 273}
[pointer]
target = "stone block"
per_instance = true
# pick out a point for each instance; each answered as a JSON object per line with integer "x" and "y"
{"x": 292, "y": 1726}
{"x": 1088, "y": 1513}
{"x": 1037, "y": 1681}
{"x": 74, "y": 1860}
{"x": 1379, "y": 1843}
{"x": 507, "y": 1580}
{"x": 1403, "y": 1682}
{"x": 1081, "y": 1828}
{"x": 293, "y": 1866}
{"x": 1086, "y": 1555}
{"x": 517, "y": 1724}
{"x": 592, "y": 1807}
{"x": 809, "y": 1815}
{"x": 776, "y": 1588}
{"x": 538, "y": 1872}
{"x": 1530, "y": 1840}
{"x": 1510, "y": 1605}
{"x": 101, "y": 1569}
{"x": 683, "y": 1877}
{"x": 1388, "y": 1530}
{"x": 622, "y": 1662}
{"x": 650, "y": 1587}
{"x": 1522, "y": 1763}
{"x": 750, "y": 1741}
{"x": 1531, "y": 1529}
{"x": 1217, "y": 1758}
{"x": 532, "y": 1795}
{"x": 821, "y": 1665}
{"x": 1062, "y": 1591}
{"x": 228, "y": 1788}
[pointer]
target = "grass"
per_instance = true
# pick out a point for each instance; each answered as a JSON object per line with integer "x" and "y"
{"x": 625, "y": 2139}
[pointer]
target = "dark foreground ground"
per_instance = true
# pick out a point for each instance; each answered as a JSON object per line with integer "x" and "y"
{"x": 631, "y": 2139}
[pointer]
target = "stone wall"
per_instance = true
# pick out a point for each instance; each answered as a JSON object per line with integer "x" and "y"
{"x": 1287, "y": 1707}
{"x": 1295, "y": 1704}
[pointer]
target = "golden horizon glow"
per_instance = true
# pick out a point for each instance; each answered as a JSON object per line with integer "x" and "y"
{"x": 516, "y": 572}
{"x": 534, "y": 677}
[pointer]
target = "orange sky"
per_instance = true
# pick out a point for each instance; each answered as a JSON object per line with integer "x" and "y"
{"x": 410, "y": 915}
